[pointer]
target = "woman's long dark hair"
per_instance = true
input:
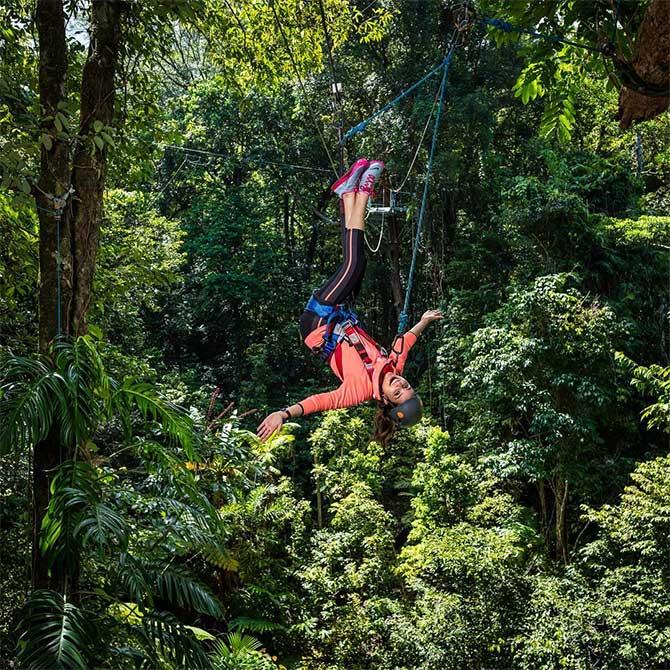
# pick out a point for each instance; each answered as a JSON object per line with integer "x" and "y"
{"x": 384, "y": 425}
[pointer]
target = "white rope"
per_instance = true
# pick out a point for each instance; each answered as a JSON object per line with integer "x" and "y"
{"x": 154, "y": 200}
{"x": 381, "y": 234}
{"x": 418, "y": 148}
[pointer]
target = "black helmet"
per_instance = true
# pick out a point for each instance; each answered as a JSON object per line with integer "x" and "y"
{"x": 407, "y": 413}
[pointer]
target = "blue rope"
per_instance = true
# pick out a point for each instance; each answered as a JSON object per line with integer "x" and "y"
{"x": 404, "y": 315}
{"x": 508, "y": 27}
{"x": 360, "y": 127}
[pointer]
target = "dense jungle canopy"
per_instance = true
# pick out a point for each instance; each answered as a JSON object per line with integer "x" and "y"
{"x": 165, "y": 212}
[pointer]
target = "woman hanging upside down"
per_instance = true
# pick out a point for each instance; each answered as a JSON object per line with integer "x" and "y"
{"x": 331, "y": 330}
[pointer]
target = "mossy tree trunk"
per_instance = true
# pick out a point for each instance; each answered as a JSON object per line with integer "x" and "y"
{"x": 69, "y": 163}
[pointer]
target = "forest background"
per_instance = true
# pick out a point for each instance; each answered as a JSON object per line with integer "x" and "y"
{"x": 165, "y": 212}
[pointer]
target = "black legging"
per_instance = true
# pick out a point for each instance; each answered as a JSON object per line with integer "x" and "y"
{"x": 345, "y": 284}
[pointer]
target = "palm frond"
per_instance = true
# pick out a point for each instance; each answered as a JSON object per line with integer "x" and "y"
{"x": 165, "y": 638}
{"x": 76, "y": 515}
{"x": 177, "y": 586}
{"x": 88, "y": 384}
{"x": 223, "y": 559}
{"x": 68, "y": 389}
{"x": 235, "y": 648}
{"x": 242, "y": 623}
{"x": 28, "y": 388}
{"x": 100, "y": 525}
{"x": 193, "y": 528}
{"x": 55, "y": 633}
{"x": 173, "y": 420}
{"x": 133, "y": 578}
{"x": 137, "y": 657}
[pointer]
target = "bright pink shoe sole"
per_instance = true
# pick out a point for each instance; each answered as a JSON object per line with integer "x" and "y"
{"x": 356, "y": 166}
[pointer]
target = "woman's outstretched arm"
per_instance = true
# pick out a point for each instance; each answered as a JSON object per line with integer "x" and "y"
{"x": 346, "y": 395}
{"x": 427, "y": 318}
{"x": 403, "y": 343}
{"x": 273, "y": 422}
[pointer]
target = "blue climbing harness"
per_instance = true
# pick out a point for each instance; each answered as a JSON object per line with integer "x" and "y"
{"x": 338, "y": 318}
{"x": 342, "y": 325}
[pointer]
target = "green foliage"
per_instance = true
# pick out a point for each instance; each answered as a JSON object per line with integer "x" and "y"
{"x": 76, "y": 512}
{"x": 137, "y": 267}
{"x": 653, "y": 380}
{"x": 18, "y": 275}
{"x": 350, "y": 564}
{"x": 240, "y": 652}
{"x": 68, "y": 390}
{"x": 177, "y": 527}
{"x": 56, "y": 633}
{"x": 612, "y": 609}
{"x": 470, "y": 592}
{"x": 92, "y": 509}
{"x": 558, "y": 70}
{"x": 648, "y": 230}
{"x": 539, "y": 380}
{"x": 248, "y": 40}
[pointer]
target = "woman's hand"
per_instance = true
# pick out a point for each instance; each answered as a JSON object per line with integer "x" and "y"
{"x": 432, "y": 315}
{"x": 271, "y": 424}
{"x": 428, "y": 317}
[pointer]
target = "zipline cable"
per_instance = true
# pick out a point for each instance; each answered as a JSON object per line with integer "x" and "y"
{"x": 261, "y": 161}
{"x": 169, "y": 181}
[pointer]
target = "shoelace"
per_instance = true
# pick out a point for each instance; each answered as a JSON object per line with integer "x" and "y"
{"x": 370, "y": 181}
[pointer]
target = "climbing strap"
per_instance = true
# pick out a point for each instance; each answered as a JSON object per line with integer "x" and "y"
{"x": 360, "y": 127}
{"x": 351, "y": 333}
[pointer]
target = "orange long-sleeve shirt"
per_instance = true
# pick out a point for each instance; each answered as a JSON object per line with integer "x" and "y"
{"x": 356, "y": 386}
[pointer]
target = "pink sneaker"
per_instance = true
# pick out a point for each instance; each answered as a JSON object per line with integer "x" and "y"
{"x": 348, "y": 182}
{"x": 369, "y": 178}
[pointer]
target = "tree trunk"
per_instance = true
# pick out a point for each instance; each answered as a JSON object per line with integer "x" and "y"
{"x": 54, "y": 178}
{"x": 90, "y": 162}
{"x": 651, "y": 63}
{"x": 561, "y": 494}
{"x": 53, "y": 182}
{"x": 314, "y": 237}
{"x": 394, "y": 260}
{"x": 287, "y": 232}
{"x": 66, "y": 278}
